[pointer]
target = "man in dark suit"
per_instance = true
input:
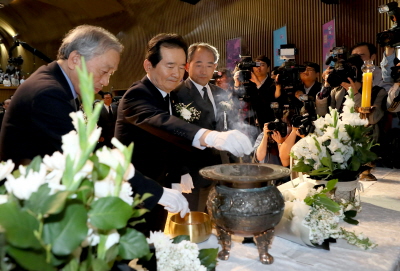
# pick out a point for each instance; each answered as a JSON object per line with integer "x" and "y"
{"x": 107, "y": 119}
{"x": 261, "y": 91}
{"x": 309, "y": 78}
{"x": 39, "y": 115}
{"x": 161, "y": 139}
{"x": 196, "y": 91}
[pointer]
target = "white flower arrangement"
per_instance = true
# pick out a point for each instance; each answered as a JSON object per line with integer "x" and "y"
{"x": 187, "y": 113}
{"x": 311, "y": 217}
{"x": 72, "y": 200}
{"x": 340, "y": 143}
{"x": 179, "y": 254}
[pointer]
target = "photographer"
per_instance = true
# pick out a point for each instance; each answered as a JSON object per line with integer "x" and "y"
{"x": 345, "y": 74}
{"x": 268, "y": 143}
{"x": 309, "y": 78}
{"x": 260, "y": 90}
{"x": 367, "y": 51}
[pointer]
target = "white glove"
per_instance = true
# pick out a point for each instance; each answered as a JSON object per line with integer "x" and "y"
{"x": 174, "y": 202}
{"x": 186, "y": 183}
{"x": 233, "y": 141}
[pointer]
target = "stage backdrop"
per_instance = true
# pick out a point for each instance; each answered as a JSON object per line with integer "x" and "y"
{"x": 280, "y": 37}
{"x": 328, "y": 40}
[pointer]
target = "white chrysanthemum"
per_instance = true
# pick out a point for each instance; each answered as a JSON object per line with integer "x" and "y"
{"x": 22, "y": 187}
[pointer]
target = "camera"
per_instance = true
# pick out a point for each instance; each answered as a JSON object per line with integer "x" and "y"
{"x": 390, "y": 37}
{"x": 16, "y": 61}
{"x": 304, "y": 123}
{"x": 395, "y": 74}
{"x": 336, "y": 54}
{"x": 245, "y": 67}
{"x": 277, "y": 125}
{"x": 344, "y": 69}
{"x": 289, "y": 75}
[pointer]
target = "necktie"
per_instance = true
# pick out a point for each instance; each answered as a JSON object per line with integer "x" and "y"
{"x": 205, "y": 95}
{"x": 166, "y": 103}
{"x": 110, "y": 113}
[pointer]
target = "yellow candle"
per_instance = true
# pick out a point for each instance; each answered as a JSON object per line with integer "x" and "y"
{"x": 366, "y": 89}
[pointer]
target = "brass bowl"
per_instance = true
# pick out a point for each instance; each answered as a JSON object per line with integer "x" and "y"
{"x": 195, "y": 224}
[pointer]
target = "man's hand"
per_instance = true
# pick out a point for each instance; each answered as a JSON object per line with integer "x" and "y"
{"x": 174, "y": 202}
{"x": 233, "y": 141}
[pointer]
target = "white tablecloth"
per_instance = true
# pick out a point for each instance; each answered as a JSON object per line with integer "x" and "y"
{"x": 379, "y": 220}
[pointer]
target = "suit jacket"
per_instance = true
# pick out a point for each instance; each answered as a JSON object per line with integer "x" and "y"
{"x": 161, "y": 140}
{"x": 38, "y": 116}
{"x": 261, "y": 99}
{"x": 107, "y": 124}
{"x": 314, "y": 90}
{"x": 187, "y": 93}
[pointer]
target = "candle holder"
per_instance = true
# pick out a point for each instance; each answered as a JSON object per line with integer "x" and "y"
{"x": 365, "y": 111}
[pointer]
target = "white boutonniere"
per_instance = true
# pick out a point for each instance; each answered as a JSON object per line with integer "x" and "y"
{"x": 226, "y": 105}
{"x": 187, "y": 113}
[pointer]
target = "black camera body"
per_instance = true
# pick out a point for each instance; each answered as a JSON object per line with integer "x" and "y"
{"x": 246, "y": 66}
{"x": 289, "y": 75}
{"x": 336, "y": 54}
{"x": 350, "y": 68}
{"x": 278, "y": 126}
{"x": 341, "y": 72}
{"x": 390, "y": 37}
{"x": 16, "y": 61}
{"x": 304, "y": 123}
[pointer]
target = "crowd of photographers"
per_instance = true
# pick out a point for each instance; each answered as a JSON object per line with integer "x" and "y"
{"x": 284, "y": 102}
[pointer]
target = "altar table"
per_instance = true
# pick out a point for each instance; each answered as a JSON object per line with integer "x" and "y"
{"x": 379, "y": 220}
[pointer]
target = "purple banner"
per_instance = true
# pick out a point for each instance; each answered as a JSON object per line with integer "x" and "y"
{"x": 328, "y": 40}
{"x": 233, "y": 51}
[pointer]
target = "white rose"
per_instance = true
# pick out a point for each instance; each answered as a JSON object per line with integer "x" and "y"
{"x": 185, "y": 113}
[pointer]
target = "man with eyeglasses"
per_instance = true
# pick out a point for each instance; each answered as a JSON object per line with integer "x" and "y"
{"x": 309, "y": 78}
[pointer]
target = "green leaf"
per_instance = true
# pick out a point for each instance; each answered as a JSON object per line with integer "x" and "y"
{"x": 41, "y": 202}
{"x": 29, "y": 259}
{"x": 73, "y": 265}
{"x": 331, "y": 185}
{"x": 85, "y": 191}
{"x": 100, "y": 265}
{"x": 351, "y": 213}
{"x": 19, "y": 226}
{"x": 208, "y": 258}
{"x": 135, "y": 222}
{"x": 133, "y": 244}
{"x": 327, "y": 203}
{"x": 34, "y": 165}
{"x": 139, "y": 212}
{"x": 350, "y": 220}
{"x": 102, "y": 171}
{"x": 302, "y": 167}
{"x": 66, "y": 231}
{"x": 180, "y": 238}
{"x": 112, "y": 254}
{"x": 110, "y": 213}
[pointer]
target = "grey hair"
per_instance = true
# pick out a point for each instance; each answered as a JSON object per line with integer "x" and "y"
{"x": 209, "y": 47}
{"x": 89, "y": 41}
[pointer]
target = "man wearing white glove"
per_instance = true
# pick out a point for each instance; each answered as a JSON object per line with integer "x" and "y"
{"x": 163, "y": 141}
{"x": 174, "y": 202}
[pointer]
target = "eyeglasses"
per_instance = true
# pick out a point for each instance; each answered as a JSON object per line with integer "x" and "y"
{"x": 310, "y": 70}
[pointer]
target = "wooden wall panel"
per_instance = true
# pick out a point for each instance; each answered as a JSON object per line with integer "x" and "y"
{"x": 213, "y": 21}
